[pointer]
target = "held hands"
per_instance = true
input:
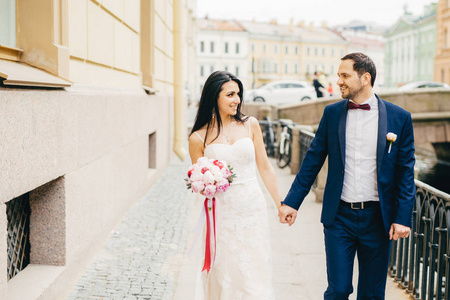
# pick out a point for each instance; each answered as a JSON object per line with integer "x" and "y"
{"x": 398, "y": 231}
{"x": 287, "y": 214}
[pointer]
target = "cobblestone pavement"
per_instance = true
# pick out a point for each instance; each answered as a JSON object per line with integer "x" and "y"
{"x": 145, "y": 255}
{"x": 138, "y": 259}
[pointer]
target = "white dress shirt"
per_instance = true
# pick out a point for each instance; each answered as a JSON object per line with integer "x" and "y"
{"x": 361, "y": 135}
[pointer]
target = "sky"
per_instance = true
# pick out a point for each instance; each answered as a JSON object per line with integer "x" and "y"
{"x": 333, "y": 12}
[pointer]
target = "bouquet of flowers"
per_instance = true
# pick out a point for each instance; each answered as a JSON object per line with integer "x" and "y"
{"x": 209, "y": 177}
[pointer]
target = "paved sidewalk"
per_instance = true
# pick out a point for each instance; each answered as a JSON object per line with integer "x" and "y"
{"x": 144, "y": 258}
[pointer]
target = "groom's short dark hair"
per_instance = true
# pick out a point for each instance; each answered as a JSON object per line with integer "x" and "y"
{"x": 362, "y": 64}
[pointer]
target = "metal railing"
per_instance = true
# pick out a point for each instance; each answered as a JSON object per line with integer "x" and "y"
{"x": 306, "y": 138}
{"x": 420, "y": 263}
{"x": 268, "y": 129}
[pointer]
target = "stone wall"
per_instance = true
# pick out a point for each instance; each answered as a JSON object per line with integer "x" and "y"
{"x": 85, "y": 157}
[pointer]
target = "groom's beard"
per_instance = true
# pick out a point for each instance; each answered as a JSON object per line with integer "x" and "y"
{"x": 352, "y": 93}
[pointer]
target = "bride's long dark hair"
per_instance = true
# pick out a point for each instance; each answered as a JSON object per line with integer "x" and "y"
{"x": 208, "y": 106}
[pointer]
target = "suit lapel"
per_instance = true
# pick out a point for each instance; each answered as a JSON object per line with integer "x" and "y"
{"x": 382, "y": 130}
{"x": 341, "y": 130}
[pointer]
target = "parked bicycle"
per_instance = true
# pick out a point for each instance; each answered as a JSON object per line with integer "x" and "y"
{"x": 267, "y": 127}
{"x": 284, "y": 145}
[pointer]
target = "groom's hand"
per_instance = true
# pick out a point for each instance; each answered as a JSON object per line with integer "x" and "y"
{"x": 287, "y": 214}
{"x": 398, "y": 231}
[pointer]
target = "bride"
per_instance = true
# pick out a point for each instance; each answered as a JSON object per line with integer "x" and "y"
{"x": 242, "y": 266}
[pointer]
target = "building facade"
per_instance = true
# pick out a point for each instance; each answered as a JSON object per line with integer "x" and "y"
{"x": 267, "y": 51}
{"x": 442, "y": 59}
{"x": 410, "y": 48}
{"x": 371, "y": 44}
{"x": 292, "y": 52}
{"x": 221, "y": 45}
{"x": 92, "y": 108}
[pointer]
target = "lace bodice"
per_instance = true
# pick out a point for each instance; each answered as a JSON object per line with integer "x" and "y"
{"x": 240, "y": 156}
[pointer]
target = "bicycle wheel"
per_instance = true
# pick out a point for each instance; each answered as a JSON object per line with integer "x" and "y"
{"x": 284, "y": 159}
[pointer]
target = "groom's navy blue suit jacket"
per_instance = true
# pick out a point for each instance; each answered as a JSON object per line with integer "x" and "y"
{"x": 395, "y": 170}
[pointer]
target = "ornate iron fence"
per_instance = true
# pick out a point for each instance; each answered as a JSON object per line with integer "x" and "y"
{"x": 268, "y": 129}
{"x": 306, "y": 138}
{"x": 420, "y": 263}
{"x": 18, "y": 215}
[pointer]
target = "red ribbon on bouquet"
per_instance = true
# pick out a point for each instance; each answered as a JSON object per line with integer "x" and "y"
{"x": 208, "y": 260}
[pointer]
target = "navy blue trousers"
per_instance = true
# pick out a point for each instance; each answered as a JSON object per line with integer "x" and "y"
{"x": 358, "y": 232}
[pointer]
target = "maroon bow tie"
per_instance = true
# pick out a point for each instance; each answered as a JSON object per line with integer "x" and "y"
{"x": 352, "y": 105}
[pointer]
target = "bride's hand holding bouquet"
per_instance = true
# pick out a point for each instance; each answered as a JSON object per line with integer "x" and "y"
{"x": 209, "y": 177}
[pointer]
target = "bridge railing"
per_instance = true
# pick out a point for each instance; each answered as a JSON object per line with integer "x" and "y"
{"x": 420, "y": 263}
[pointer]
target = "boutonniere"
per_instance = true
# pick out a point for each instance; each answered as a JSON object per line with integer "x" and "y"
{"x": 391, "y": 137}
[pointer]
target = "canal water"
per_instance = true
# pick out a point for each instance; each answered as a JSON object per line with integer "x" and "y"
{"x": 432, "y": 171}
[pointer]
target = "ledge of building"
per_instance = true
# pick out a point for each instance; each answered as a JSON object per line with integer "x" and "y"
{"x": 36, "y": 279}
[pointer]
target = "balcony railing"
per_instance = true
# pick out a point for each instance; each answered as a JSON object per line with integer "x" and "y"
{"x": 419, "y": 263}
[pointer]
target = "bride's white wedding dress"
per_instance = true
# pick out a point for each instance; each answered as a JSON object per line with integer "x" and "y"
{"x": 242, "y": 266}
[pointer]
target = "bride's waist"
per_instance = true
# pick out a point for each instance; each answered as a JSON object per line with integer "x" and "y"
{"x": 239, "y": 182}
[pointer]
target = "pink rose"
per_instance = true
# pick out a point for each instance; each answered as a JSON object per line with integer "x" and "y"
{"x": 222, "y": 185}
{"x": 197, "y": 186}
{"x": 210, "y": 191}
{"x": 218, "y": 163}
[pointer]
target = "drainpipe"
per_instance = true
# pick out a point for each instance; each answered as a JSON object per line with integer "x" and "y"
{"x": 179, "y": 101}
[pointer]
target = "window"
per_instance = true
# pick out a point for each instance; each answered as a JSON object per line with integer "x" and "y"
{"x": 332, "y": 51}
{"x": 237, "y": 71}
{"x": 264, "y": 48}
{"x": 237, "y": 47}
{"x": 152, "y": 150}
{"x": 202, "y": 46}
{"x": 8, "y": 23}
{"x": 323, "y": 51}
{"x": 211, "y": 69}
{"x": 275, "y": 49}
{"x": 253, "y": 48}
{"x": 307, "y": 68}
{"x": 202, "y": 70}
{"x": 226, "y": 47}
{"x": 275, "y": 68}
{"x": 445, "y": 38}
{"x": 316, "y": 51}
{"x": 331, "y": 69}
{"x": 296, "y": 68}
{"x": 286, "y": 50}
{"x": 226, "y": 68}
{"x": 296, "y": 50}
{"x": 212, "y": 47}
{"x": 286, "y": 67}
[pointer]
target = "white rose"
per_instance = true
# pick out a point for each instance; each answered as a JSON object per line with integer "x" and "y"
{"x": 203, "y": 161}
{"x": 208, "y": 178}
{"x": 196, "y": 176}
{"x": 391, "y": 137}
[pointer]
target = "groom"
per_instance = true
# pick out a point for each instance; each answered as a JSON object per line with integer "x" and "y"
{"x": 370, "y": 189}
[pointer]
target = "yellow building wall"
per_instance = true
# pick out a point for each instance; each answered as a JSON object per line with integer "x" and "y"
{"x": 442, "y": 58}
{"x": 104, "y": 43}
{"x": 322, "y": 62}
